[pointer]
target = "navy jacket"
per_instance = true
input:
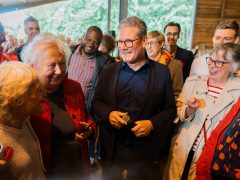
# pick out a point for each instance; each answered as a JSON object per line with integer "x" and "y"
{"x": 159, "y": 107}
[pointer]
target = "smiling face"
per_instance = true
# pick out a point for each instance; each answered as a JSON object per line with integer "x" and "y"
{"x": 51, "y": 69}
{"x": 222, "y": 36}
{"x": 221, "y": 74}
{"x": 31, "y": 29}
{"x": 91, "y": 42}
{"x": 172, "y": 35}
{"x": 133, "y": 54}
{"x": 153, "y": 47}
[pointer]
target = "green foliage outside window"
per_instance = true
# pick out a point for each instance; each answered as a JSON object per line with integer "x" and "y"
{"x": 72, "y": 17}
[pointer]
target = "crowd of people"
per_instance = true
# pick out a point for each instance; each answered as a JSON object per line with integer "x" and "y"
{"x": 153, "y": 112}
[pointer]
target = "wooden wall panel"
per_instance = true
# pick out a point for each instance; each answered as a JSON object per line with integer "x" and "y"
{"x": 208, "y": 15}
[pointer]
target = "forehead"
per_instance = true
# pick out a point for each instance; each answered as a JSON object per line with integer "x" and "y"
{"x": 93, "y": 35}
{"x": 128, "y": 32}
{"x": 52, "y": 54}
{"x": 32, "y": 24}
{"x": 225, "y": 33}
{"x": 151, "y": 39}
{"x": 172, "y": 29}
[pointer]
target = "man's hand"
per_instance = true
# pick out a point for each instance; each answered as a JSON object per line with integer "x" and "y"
{"x": 142, "y": 128}
{"x": 116, "y": 120}
{"x": 86, "y": 132}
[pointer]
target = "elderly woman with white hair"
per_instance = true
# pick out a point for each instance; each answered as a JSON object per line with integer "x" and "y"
{"x": 20, "y": 97}
{"x": 63, "y": 127}
{"x": 203, "y": 103}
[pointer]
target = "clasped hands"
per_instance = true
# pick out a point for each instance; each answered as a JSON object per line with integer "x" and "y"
{"x": 141, "y": 129}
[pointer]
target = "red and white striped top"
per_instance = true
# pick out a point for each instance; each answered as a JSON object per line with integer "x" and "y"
{"x": 214, "y": 91}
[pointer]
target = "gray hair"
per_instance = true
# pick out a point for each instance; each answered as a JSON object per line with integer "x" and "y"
{"x": 231, "y": 53}
{"x": 33, "y": 51}
{"x": 134, "y": 21}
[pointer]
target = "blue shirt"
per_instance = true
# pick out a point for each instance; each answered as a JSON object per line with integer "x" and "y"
{"x": 131, "y": 89}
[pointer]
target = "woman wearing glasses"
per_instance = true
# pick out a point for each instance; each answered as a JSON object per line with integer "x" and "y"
{"x": 154, "y": 47}
{"x": 203, "y": 103}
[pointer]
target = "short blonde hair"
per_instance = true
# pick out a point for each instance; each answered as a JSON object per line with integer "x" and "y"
{"x": 33, "y": 51}
{"x": 156, "y": 34}
{"x": 16, "y": 82}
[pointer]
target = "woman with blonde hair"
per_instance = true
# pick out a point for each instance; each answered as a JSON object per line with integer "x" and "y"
{"x": 154, "y": 47}
{"x": 20, "y": 97}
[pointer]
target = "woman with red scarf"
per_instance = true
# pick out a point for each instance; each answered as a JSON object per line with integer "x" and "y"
{"x": 154, "y": 47}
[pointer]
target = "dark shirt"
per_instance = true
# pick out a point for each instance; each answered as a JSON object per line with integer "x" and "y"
{"x": 131, "y": 89}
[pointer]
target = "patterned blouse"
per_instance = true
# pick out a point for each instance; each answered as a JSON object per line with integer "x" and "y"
{"x": 226, "y": 161}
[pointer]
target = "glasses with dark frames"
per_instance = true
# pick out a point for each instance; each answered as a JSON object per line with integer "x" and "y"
{"x": 128, "y": 42}
{"x": 217, "y": 63}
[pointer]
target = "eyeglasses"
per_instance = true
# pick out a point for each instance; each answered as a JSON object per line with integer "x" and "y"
{"x": 152, "y": 43}
{"x": 128, "y": 42}
{"x": 217, "y": 63}
{"x": 172, "y": 34}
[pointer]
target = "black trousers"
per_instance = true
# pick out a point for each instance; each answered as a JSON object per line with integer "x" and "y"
{"x": 129, "y": 158}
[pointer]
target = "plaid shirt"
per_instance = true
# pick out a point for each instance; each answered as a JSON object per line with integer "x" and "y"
{"x": 81, "y": 69}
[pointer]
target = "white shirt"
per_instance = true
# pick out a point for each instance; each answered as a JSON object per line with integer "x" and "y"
{"x": 199, "y": 66}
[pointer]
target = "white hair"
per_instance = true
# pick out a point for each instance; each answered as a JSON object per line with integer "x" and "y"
{"x": 32, "y": 53}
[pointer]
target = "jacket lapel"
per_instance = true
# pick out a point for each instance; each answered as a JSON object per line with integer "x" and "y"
{"x": 115, "y": 77}
{"x": 225, "y": 98}
{"x": 150, "y": 86}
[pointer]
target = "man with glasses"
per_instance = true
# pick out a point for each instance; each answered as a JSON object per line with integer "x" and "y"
{"x": 85, "y": 65}
{"x": 225, "y": 32}
{"x": 134, "y": 105}
{"x": 172, "y": 32}
{"x": 31, "y": 28}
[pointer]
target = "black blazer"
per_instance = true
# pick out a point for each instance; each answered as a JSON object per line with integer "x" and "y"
{"x": 187, "y": 58}
{"x": 159, "y": 107}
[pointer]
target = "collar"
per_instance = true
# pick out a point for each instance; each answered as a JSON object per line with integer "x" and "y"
{"x": 125, "y": 65}
{"x": 233, "y": 83}
{"x": 79, "y": 49}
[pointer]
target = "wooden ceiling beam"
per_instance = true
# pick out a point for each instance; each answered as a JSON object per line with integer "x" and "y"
{"x": 223, "y": 9}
